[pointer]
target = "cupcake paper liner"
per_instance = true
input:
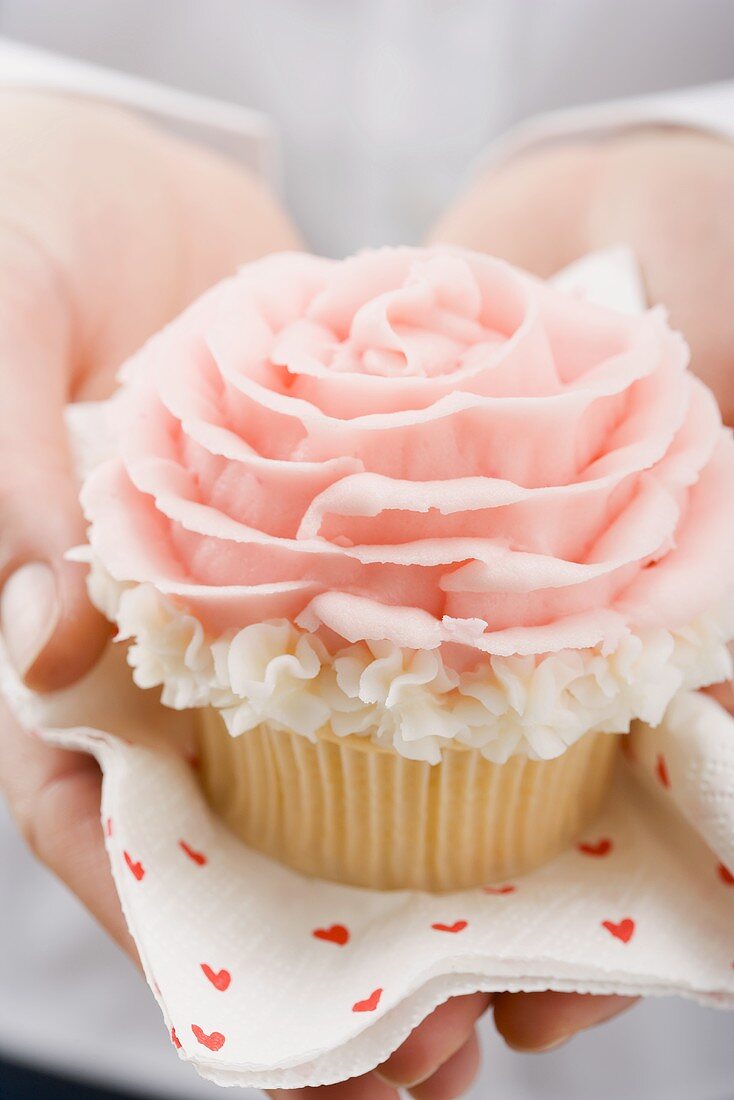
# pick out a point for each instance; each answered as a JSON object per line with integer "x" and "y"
{"x": 353, "y": 812}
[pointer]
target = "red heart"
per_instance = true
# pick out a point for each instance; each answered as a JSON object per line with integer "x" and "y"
{"x": 175, "y": 1039}
{"x": 624, "y": 930}
{"x": 370, "y": 1004}
{"x": 602, "y": 848}
{"x": 108, "y": 827}
{"x": 136, "y": 868}
{"x": 457, "y": 926}
{"x": 215, "y": 1041}
{"x": 337, "y": 934}
{"x": 499, "y": 890}
{"x": 726, "y": 875}
{"x": 220, "y": 979}
{"x": 196, "y": 857}
{"x": 661, "y": 771}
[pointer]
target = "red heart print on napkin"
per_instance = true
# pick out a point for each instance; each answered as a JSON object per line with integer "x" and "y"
{"x": 196, "y": 857}
{"x": 220, "y": 979}
{"x": 370, "y": 1004}
{"x": 726, "y": 876}
{"x": 601, "y": 848}
{"x": 214, "y": 1042}
{"x": 661, "y": 771}
{"x": 175, "y": 1039}
{"x": 622, "y": 930}
{"x": 337, "y": 934}
{"x": 136, "y": 868}
{"x": 457, "y": 926}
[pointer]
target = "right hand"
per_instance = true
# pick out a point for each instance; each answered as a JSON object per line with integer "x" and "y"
{"x": 669, "y": 194}
{"x": 108, "y": 229}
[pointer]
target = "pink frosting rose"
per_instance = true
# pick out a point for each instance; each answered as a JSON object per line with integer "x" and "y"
{"x": 423, "y": 446}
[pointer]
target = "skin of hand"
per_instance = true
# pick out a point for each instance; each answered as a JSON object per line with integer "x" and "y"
{"x": 669, "y": 194}
{"x": 108, "y": 228}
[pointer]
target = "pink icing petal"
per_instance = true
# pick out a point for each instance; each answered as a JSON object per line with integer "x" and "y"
{"x": 504, "y": 609}
{"x": 248, "y": 487}
{"x": 640, "y": 531}
{"x": 488, "y": 369}
{"x": 228, "y": 607}
{"x": 607, "y": 381}
{"x": 280, "y": 288}
{"x": 694, "y": 444}
{"x": 583, "y": 335}
{"x": 561, "y": 519}
{"x": 691, "y": 576}
{"x": 128, "y": 534}
{"x": 354, "y": 282}
{"x": 357, "y": 618}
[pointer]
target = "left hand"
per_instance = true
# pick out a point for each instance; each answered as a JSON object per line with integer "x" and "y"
{"x": 669, "y": 194}
{"x": 108, "y": 227}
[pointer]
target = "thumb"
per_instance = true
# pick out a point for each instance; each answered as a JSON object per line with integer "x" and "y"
{"x": 51, "y": 632}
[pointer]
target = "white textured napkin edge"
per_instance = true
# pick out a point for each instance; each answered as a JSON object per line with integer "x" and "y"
{"x": 695, "y": 723}
{"x": 378, "y": 1040}
{"x": 369, "y": 1050}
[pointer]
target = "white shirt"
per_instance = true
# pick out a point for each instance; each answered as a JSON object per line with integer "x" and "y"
{"x": 376, "y": 111}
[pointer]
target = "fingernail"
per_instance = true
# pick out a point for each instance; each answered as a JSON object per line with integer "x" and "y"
{"x": 553, "y": 1045}
{"x": 399, "y": 1084}
{"x": 399, "y": 1081}
{"x": 29, "y": 613}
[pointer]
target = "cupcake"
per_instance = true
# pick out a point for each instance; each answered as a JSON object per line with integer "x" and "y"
{"x": 419, "y": 536}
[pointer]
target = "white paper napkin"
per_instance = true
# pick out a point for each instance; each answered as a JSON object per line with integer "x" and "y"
{"x": 269, "y": 979}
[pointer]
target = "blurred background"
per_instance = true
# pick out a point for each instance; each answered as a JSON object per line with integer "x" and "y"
{"x": 380, "y": 111}
{"x": 382, "y": 107}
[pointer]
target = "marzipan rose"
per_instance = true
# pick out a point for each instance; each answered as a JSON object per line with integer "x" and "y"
{"x": 419, "y": 498}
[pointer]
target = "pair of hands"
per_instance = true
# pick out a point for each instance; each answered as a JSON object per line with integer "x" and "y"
{"x": 108, "y": 228}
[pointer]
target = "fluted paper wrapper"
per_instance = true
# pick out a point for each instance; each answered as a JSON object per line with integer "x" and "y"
{"x": 351, "y": 811}
{"x": 270, "y": 979}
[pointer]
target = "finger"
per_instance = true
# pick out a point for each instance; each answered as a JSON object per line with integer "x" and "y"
{"x": 55, "y": 796}
{"x": 531, "y": 211}
{"x": 434, "y": 1041}
{"x": 369, "y": 1087}
{"x": 52, "y": 633}
{"x": 542, "y": 1021}
{"x": 454, "y": 1077}
{"x": 670, "y": 194}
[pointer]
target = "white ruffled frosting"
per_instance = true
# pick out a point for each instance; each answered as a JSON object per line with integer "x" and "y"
{"x": 410, "y": 700}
